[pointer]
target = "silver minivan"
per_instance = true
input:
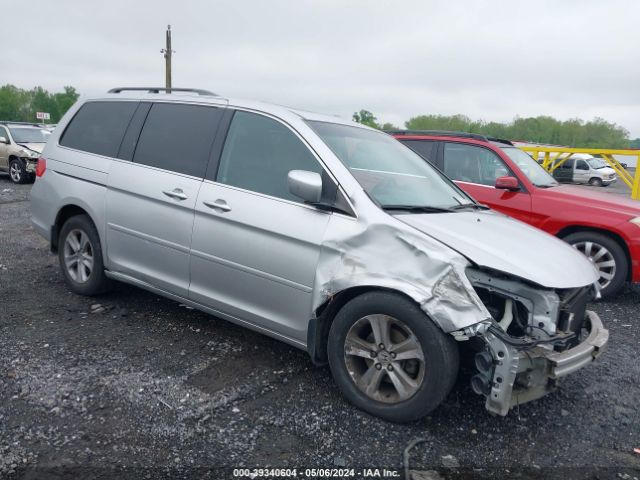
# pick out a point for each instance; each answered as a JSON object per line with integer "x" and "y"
{"x": 322, "y": 233}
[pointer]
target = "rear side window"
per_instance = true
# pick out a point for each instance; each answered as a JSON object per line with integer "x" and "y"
{"x": 425, "y": 149}
{"x": 98, "y": 127}
{"x": 259, "y": 153}
{"x": 178, "y": 137}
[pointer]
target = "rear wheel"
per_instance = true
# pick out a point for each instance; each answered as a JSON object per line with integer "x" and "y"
{"x": 389, "y": 359}
{"x": 607, "y": 256}
{"x": 80, "y": 256}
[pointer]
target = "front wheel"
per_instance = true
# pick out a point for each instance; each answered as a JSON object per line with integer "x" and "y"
{"x": 17, "y": 171}
{"x": 389, "y": 359}
{"x": 607, "y": 256}
{"x": 595, "y": 182}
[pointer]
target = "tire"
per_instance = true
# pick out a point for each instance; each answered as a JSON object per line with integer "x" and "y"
{"x": 79, "y": 236}
{"x": 592, "y": 244}
{"x": 17, "y": 171}
{"x": 431, "y": 380}
{"x": 595, "y": 182}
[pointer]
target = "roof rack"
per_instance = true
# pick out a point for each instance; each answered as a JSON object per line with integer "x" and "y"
{"x": 440, "y": 133}
{"x": 163, "y": 89}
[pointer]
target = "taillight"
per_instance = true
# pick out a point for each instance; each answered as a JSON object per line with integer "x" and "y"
{"x": 41, "y": 166}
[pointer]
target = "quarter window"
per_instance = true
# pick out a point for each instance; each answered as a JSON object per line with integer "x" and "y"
{"x": 468, "y": 163}
{"x": 3, "y": 133}
{"x": 178, "y": 137}
{"x": 98, "y": 127}
{"x": 259, "y": 153}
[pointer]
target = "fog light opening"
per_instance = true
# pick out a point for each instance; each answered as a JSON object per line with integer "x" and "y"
{"x": 480, "y": 384}
{"x": 484, "y": 362}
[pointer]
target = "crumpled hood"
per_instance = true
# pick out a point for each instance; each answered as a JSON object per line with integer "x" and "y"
{"x": 492, "y": 240}
{"x": 36, "y": 147}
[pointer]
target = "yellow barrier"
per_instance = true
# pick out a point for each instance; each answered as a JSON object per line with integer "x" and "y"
{"x": 556, "y": 156}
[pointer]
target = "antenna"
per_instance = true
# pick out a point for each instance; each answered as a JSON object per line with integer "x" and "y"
{"x": 167, "y": 59}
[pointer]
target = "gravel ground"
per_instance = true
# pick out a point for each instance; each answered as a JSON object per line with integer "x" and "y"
{"x": 131, "y": 385}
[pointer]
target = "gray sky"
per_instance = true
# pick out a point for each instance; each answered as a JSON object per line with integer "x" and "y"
{"x": 488, "y": 59}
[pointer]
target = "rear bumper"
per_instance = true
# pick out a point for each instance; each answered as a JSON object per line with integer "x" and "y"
{"x": 524, "y": 375}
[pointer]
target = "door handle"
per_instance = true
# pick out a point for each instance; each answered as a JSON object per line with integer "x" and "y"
{"x": 219, "y": 204}
{"x": 176, "y": 193}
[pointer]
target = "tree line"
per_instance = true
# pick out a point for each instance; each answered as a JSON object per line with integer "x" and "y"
{"x": 596, "y": 133}
{"x": 20, "y": 105}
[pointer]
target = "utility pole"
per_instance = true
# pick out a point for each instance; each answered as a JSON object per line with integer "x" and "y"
{"x": 167, "y": 60}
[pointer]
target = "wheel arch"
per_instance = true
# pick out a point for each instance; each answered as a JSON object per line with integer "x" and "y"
{"x": 64, "y": 214}
{"x": 319, "y": 325}
{"x": 566, "y": 231}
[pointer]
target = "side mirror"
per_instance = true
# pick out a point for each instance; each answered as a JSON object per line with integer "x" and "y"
{"x": 306, "y": 185}
{"x": 4, "y": 140}
{"x": 507, "y": 183}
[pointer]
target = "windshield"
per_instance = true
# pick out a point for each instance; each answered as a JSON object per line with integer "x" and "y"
{"x": 392, "y": 174}
{"x": 29, "y": 135}
{"x": 596, "y": 163}
{"x": 532, "y": 169}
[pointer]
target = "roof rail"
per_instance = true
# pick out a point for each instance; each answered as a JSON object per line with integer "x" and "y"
{"x": 9, "y": 122}
{"x": 163, "y": 89}
{"x": 500, "y": 140}
{"x": 440, "y": 133}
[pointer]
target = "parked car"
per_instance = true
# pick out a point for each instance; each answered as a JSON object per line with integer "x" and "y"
{"x": 20, "y": 146}
{"x": 319, "y": 232}
{"x": 585, "y": 169}
{"x": 604, "y": 227}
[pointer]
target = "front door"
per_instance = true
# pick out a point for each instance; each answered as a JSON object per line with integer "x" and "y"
{"x": 150, "y": 200}
{"x": 255, "y": 246}
{"x": 475, "y": 170}
{"x": 582, "y": 173}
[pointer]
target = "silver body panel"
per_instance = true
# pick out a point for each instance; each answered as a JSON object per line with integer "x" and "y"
{"x": 148, "y": 233}
{"x": 263, "y": 245}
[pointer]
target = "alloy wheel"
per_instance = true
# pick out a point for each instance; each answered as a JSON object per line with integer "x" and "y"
{"x": 384, "y": 358}
{"x": 78, "y": 256}
{"x": 601, "y": 258}
{"x": 15, "y": 172}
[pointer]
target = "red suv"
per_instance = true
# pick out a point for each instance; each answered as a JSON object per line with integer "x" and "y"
{"x": 605, "y": 227}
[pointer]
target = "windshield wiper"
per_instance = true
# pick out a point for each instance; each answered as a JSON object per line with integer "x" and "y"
{"x": 416, "y": 208}
{"x": 475, "y": 206}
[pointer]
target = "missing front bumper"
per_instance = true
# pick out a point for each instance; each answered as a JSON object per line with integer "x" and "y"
{"x": 30, "y": 164}
{"x": 522, "y": 375}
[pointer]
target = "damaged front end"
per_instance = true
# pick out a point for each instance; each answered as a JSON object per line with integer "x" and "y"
{"x": 535, "y": 337}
